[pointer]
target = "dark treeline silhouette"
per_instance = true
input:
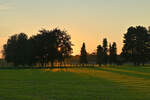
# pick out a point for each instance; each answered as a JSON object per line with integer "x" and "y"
{"x": 16, "y": 49}
{"x": 113, "y": 53}
{"x": 136, "y": 45}
{"x": 136, "y": 49}
{"x": 107, "y": 55}
{"x": 47, "y": 46}
{"x": 83, "y": 55}
{"x": 99, "y": 55}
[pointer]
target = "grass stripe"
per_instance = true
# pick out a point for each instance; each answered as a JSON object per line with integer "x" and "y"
{"x": 140, "y": 84}
{"x": 127, "y": 72}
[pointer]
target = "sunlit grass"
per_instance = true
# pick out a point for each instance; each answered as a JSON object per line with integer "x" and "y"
{"x": 41, "y": 85}
{"x": 129, "y": 81}
{"x": 74, "y": 84}
{"x": 129, "y": 71}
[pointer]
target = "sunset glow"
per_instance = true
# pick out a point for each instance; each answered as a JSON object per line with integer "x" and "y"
{"x": 86, "y": 21}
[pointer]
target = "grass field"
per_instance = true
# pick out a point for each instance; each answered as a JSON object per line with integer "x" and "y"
{"x": 107, "y": 83}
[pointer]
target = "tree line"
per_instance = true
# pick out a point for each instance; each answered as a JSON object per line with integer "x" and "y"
{"x": 104, "y": 54}
{"x": 47, "y": 46}
{"x": 53, "y": 45}
{"x": 136, "y": 49}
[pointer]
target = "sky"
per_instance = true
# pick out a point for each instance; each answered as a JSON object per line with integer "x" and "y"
{"x": 86, "y": 21}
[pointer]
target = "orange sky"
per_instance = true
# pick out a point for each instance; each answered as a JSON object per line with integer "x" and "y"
{"x": 78, "y": 34}
{"x": 86, "y": 21}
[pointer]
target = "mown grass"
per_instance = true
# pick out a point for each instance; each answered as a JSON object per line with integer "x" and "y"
{"x": 112, "y": 83}
{"x": 144, "y": 69}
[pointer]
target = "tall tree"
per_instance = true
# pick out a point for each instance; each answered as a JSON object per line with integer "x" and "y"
{"x": 83, "y": 56}
{"x": 99, "y": 55}
{"x": 52, "y": 45}
{"x": 22, "y": 54}
{"x": 47, "y": 46}
{"x": 137, "y": 45}
{"x": 31, "y": 52}
{"x": 9, "y": 51}
{"x": 110, "y": 54}
{"x": 105, "y": 51}
{"x": 114, "y": 53}
{"x": 15, "y": 50}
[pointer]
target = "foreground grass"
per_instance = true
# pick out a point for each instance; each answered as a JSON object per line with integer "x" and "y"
{"x": 75, "y": 84}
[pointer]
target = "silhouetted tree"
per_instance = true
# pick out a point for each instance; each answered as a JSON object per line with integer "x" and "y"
{"x": 52, "y": 45}
{"x": 32, "y": 51}
{"x": 15, "y": 50}
{"x": 110, "y": 54}
{"x": 99, "y": 54}
{"x": 114, "y": 53}
{"x": 9, "y": 51}
{"x": 105, "y": 51}
{"x": 47, "y": 46}
{"x": 83, "y": 56}
{"x": 136, "y": 45}
{"x": 22, "y": 48}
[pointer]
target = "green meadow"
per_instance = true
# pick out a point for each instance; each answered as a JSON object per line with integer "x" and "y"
{"x": 105, "y": 83}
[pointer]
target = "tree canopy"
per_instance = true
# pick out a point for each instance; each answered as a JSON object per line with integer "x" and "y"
{"x": 16, "y": 49}
{"x": 113, "y": 53}
{"x": 83, "y": 55}
{"x": 99, "y": 55}
{"x": 47, "y": 46}
{"x": 136, "y": 45}
{"x": 105, "y": 51}
{"x": 50, "y": 46}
